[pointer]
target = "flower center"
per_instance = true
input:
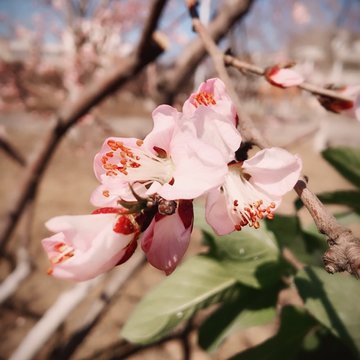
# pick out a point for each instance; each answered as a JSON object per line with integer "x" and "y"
{"x": 203, "y": 98}
{"x": 136, "y": 164}
{"x": 246, "y": 205}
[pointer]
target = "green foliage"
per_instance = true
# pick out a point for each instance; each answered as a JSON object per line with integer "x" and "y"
{"x": 252, "y": 257}
{"x": 295, "y": 324}
{"x": 333, "y": 301}
{"x": 247, "y": 258}
{"x": 346, "y": 161}
{"x": 242, "y": 272}
{"x": 197, "y": 283}
{"x": 253, "y": 307}
{"x": 307, "y": 244}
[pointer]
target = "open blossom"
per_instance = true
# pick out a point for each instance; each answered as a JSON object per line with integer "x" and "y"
{"x": 171, "y": 161}
{"x": 283, "y": 77}
{"x": 167, "y": 238}
{"x": 212, "y": 94}
{"x": 252, "y": 190}
{"x": 86, "y": 246}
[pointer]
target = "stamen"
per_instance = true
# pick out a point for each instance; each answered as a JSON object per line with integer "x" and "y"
{"x": 203, "y": 98}
{"x": 136, "y": 163}
{"x": 65, "y": 252}
{"x": 246, "y": 205}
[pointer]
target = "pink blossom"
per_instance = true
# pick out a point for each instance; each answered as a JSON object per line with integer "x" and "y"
{"x": 252, "y": 190}
{"x": 86, "y": 246}
{"x": 173, "y": 160}
{"x": 211, "y": 94}
{"x": 283, "y": 77}
{"x": 167, "y": 238}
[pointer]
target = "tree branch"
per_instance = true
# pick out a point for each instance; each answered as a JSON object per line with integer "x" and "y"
{"x": 170, "y": 83}
{"x": 256, "y": 70}
{"x": 344, "y": 251}
{"x": 71, "y": 112}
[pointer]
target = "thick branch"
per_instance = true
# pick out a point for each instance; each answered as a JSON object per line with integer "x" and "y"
{"x": 344, "y": 251}
{"x": 93, "y": 94}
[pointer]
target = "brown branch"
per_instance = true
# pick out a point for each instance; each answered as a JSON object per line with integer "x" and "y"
{"x": 10, "y": 150}
{"x": 344, "y": 251}
{"x": 69, "y": 115}
{"x": 172, "y": 80}
{"x": 253, "y": 69}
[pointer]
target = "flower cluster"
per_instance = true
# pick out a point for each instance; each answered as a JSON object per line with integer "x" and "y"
{"x": 146, "y": 188}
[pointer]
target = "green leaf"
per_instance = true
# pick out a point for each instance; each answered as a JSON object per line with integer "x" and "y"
{"x": 349, "y": 198}
{"x": 252, "y": 308}
{"x": 346, "y": 161}
{"x": 288, "y": 233}
{"x": 197, "y": 283}
{"x": 249, "y": 255}
{"x": 295, "y": 324}
{"x": 334, "y": 301}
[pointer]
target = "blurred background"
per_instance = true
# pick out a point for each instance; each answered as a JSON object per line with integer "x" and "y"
{"x": 53, "y": 51}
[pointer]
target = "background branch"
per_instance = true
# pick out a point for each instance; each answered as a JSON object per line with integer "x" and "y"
{"x": 71, "y": 112}
{"x": 170, "y": 83}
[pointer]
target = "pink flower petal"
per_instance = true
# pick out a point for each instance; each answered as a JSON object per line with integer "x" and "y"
{"x": 283, "y": 77}
{"x": 215, "y": 130}
{"x": 164, "y": 117}
{"x": 217, "y": 214}
{"x": 198, "y": 167}
{"x": 167, "y": 238}
{"x": 273, "y": 170}
{"x": 92, "y": 242}
{"x": 218, "y": 99}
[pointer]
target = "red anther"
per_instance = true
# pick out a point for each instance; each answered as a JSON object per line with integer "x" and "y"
{"x": 203, "y": 98}
{"x": 236, "y": 202}
{"x": 112, "y": 145}
{"x": 106, "y": 193}
{"x": 256, "y": 225}
{"x": 270, "y": 216}
{"x": 238, "y": 227}
{"x": 109, "y": 154}
{"x": 139, "y": 142}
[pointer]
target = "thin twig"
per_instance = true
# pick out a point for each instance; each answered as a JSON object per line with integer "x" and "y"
{"x": 344, "y": 251}
{"x": 247, "y": 127}
{"x": 100, "y": 307}
{"x": 92, "y": 95}
{"x": 171, "y": 81}
{"x": 51, "y": 320}
{"x": 254, "y": 69}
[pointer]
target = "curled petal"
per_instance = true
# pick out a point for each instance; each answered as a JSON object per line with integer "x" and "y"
{"x": 167, "y": 238}
{"x": 283, "y": 77}
{"x": 165, "y": 118}
{"x": 275, "y": 171}
{"x": 85, "y": 246}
